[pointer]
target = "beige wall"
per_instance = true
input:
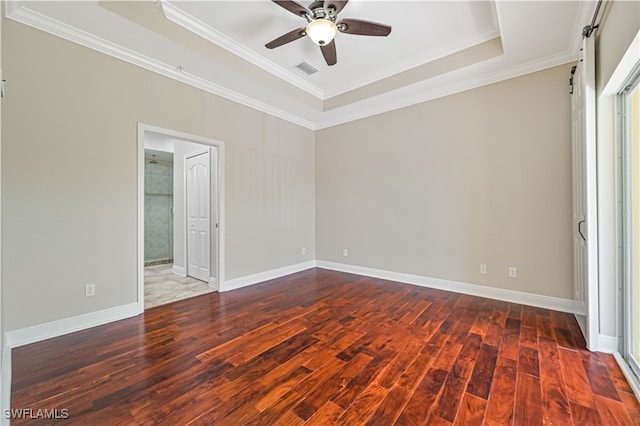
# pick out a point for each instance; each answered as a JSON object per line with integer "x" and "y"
{"x": 436, "y": 189}
{"x": 69, "y": 147}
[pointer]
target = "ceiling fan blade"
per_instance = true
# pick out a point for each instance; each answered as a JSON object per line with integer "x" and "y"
{"x": 360, "y": 27}
{"x": 293, "y": 7}
{"x": 329, "y": 53}
{"x": 286, "y": 38}
{"x": 338, "y": 5}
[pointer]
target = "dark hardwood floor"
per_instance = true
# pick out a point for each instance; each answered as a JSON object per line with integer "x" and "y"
{"x": 322, "y": 347}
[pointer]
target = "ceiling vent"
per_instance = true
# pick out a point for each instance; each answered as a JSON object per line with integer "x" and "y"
{"x": 307, "y": 68}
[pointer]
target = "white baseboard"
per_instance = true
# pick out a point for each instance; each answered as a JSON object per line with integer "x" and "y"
{"x": 547, "y": 302}
{"x": 69, "y": 325}
{"x": 179, "y": 270}
{"x": 607, "y": 344}
{"x": 628, "y": 374}
{"x": 237, "y": 283}
{"x": 213, "y": 282}
{"x": 39, "y": 332}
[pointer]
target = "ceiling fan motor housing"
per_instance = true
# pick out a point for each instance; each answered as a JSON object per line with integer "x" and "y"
{"x": 319, "y": 12}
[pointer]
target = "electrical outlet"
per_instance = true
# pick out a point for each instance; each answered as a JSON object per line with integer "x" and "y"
{"x": 304, "y": 250}
{"x": 345, "y": 252}
{"x": 483, "y": 268}
{"x": 90, "y": 290}
{"x": 513, "y": 272}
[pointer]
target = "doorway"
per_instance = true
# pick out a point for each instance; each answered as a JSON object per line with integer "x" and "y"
{"x": 168, "y": 276}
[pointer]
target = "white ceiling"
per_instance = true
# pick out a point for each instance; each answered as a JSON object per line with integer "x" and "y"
{"x": 419, "y": 35}
{"x": 435, "y": 48}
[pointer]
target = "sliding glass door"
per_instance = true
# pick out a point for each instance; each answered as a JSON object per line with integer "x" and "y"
{"x": 630, "y": 100}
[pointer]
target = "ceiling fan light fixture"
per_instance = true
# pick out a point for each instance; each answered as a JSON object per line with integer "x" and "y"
{"x": 321, "y": 31}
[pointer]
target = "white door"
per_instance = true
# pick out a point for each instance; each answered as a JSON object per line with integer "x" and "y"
{"x": 579, "y": 193}
{"x": 198, "y": 215}
{"x": 585, "y": 244}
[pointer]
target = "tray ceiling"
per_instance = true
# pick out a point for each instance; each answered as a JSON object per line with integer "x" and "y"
{"x": 436, "y": 48}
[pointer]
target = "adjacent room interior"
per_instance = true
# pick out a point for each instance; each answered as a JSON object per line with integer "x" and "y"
{"x": 329, "y": 212}
{"x": 181, "y": 199}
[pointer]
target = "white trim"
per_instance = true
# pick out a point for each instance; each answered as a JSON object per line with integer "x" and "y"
{"x": 140, "y": 219}
{"x": 198, "y": 27}
{"x": 81, "y": 322}
{"x": 609, "y": 142}
{"x": 420, "y": 96}
{"x": 213, "y": 283}
{"x": 248, "y": 280}
{"x": 220, "y": 146}
{"x": 5, "y": 353}
{"x": 418, "y": 60}
{"x": 591, "y": 189}
{"x": 222, "y": 227}
{"x": 530, "y": 299}
{"x": 624, "y": 68}
{"x": 606, "y": 344}
{"x": 36, "y": 333}
{"x": 179, "y": 270}
{"x": 18, "y": 12}
{"x": 628, "y": 374}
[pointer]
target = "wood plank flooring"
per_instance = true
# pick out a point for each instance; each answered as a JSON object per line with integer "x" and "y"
{"x": 320, "y": 348}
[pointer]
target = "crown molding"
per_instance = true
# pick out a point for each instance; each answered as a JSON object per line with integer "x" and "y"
{"x": 585, "y": 12}
{"x": 189, "y": 22}
{"x": 415, "y": 61}
{"x": 482, "y": 79}
{"x": 179, "y": 17}
{"x": 19, "y": 12}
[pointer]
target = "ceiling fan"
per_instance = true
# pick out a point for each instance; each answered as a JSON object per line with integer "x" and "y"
{"x": 322, "y": 26}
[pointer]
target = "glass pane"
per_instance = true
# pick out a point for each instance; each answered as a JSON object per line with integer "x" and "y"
{"x": 158, "y": 211}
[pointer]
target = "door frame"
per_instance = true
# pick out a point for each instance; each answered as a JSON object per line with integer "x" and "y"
{"x": 5, "y": 351}
{"x": 220, "y": 172}
{"x": 627, "y": 220}
{"x": 610, "y": 180}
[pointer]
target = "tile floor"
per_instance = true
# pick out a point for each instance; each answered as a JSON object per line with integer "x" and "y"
{"x": 162, "y": 286}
